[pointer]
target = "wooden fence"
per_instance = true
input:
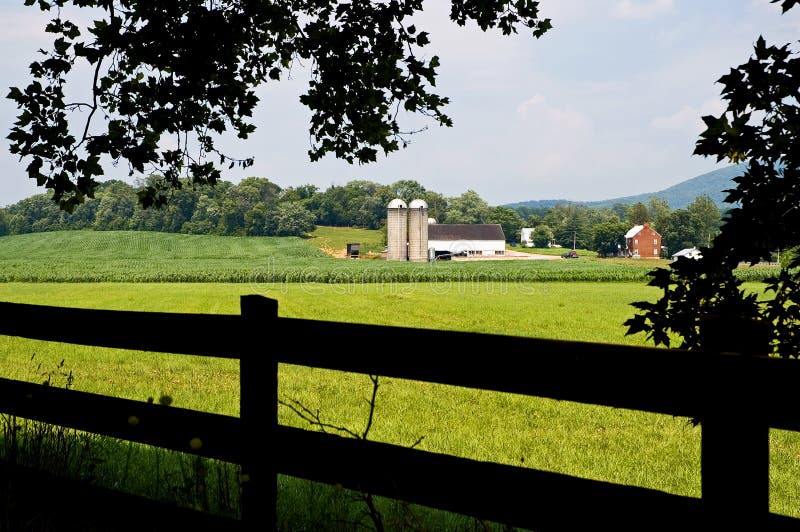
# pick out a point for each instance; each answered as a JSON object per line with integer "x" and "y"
{"x": 737, "y": 398}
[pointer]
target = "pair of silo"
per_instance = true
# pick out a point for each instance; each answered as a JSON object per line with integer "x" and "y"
{"x": 407, "y": 230}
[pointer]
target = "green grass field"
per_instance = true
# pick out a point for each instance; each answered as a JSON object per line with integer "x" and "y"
{"x": 117, "y": 256}
{"x": 616, "y": 445}
{"x": 525, "y": 298}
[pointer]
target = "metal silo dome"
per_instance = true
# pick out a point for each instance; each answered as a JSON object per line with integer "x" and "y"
{"x": 418, "y": 204}
{"x": 397, "y": 203}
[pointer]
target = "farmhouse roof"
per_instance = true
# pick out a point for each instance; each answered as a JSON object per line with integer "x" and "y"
{"x": 465, "y": 232}
{"x": 633, "y": 231}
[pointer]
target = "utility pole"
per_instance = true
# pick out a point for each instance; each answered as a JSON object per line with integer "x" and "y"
{"x": 574, "y": 233}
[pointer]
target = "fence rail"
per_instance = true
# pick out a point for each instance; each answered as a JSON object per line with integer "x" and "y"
{"x": 736, "y": 398}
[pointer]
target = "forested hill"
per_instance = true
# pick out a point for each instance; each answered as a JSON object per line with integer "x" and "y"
{"x": 677, "y": 196}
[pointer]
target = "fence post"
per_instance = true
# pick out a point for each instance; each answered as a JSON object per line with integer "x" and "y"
{"x": 735, "y": 439}
{"x": 258, "y": 411}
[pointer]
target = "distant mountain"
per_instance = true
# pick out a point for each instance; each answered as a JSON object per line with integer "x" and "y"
{"x": 677, "y": 196}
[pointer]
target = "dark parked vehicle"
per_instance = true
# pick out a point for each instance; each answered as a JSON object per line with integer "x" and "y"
{"x": 570, "y": 255}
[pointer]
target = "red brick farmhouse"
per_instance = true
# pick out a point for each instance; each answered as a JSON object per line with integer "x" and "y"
{"x": 642, "y": 241}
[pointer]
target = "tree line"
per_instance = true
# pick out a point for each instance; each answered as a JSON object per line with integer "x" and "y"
{"x": 258, "y": 207}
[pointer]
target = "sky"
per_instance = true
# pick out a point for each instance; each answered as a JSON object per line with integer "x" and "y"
{"x": 606, "y": 104}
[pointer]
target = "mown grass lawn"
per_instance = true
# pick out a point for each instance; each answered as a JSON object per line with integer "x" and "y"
{"x": 565, "y": 299}
{"x": 616, "y": 445}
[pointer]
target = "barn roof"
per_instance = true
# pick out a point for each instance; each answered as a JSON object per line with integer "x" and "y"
{"x": 465, "y": 232}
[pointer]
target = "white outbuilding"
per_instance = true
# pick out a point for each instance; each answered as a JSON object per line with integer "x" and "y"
{"x": 689, "y": 253}
{"x": 526, "y": 237}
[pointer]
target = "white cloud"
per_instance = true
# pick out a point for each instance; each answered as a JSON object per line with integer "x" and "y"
{"x": 558, "y": 119}
{"x": 569, "y": 119}
{"x": 689, "y": 117}
{"x": 25, "y": 27}
{"x": 641, "y": 9}
{"x": 595, "y": 88}
{"x": 524, "y": 107}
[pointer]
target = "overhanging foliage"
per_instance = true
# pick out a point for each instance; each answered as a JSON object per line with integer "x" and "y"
{"x": 170, "y": 76}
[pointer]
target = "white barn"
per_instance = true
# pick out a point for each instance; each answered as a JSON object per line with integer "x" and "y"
{"x": 467, "y": 239}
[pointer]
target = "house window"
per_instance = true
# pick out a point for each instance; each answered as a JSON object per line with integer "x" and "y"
{"x": 636, "y": 241}
{"x": 655, "y": 252}
{"x": 655, "y": 242}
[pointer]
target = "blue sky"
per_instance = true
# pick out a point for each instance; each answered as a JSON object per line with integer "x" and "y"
{"x": 606, "y": 104}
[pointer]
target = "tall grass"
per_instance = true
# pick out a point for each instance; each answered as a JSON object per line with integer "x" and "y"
{"x": 27, "y": 445}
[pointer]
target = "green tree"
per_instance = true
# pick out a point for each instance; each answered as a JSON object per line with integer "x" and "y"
{"x": 247, "y": 207}
{"x": 509, "y": 219}
{"x": 468, "y": 208}
{"x": 571, "y": 226}
{"x": 407, "y": 190}
{"x": 34, "y": 214}
{"x": 682, "y": 231}
{"x": 303, "y": 193}
{"x": 84, "y": 215}
{"x": 171, "y": 218}
{"x": 437, "y": 205}
{"x": 621, "y": 210}
{"x": 117, "y": 201}
{"x": 637, "y": 214}
{"x": 758, "y": 126}
{"x": 3, "y": 223}
{"x": 359, "y": 203}
{"x": 609, "y": 238}
{"x": 154, "y": 78}
{"x": 532, "y": 220}
{"x": 708, "y": 218}
{"x": 658, "y": 213}
{"x": 207, "y": 215}
{"x": 542, "y": 236}
{"x": 292, "y": 219}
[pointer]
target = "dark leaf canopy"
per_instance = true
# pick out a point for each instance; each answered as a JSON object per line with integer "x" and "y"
{"x": 703, "y": 302}
{"x": 170, "y": 77}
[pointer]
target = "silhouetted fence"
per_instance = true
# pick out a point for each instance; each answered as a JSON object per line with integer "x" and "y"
{"x": 737, "y": 398}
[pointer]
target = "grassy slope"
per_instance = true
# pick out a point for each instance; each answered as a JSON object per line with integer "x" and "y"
{"x": 331, "y": 239}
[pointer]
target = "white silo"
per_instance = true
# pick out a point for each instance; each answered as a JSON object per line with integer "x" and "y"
{"x": 418, "y": 231}
{"x": 397, "y": 230}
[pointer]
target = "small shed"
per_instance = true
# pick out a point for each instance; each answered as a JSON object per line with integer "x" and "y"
{"x": 689, "y": 253}
{"x": 353, "y": 249}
